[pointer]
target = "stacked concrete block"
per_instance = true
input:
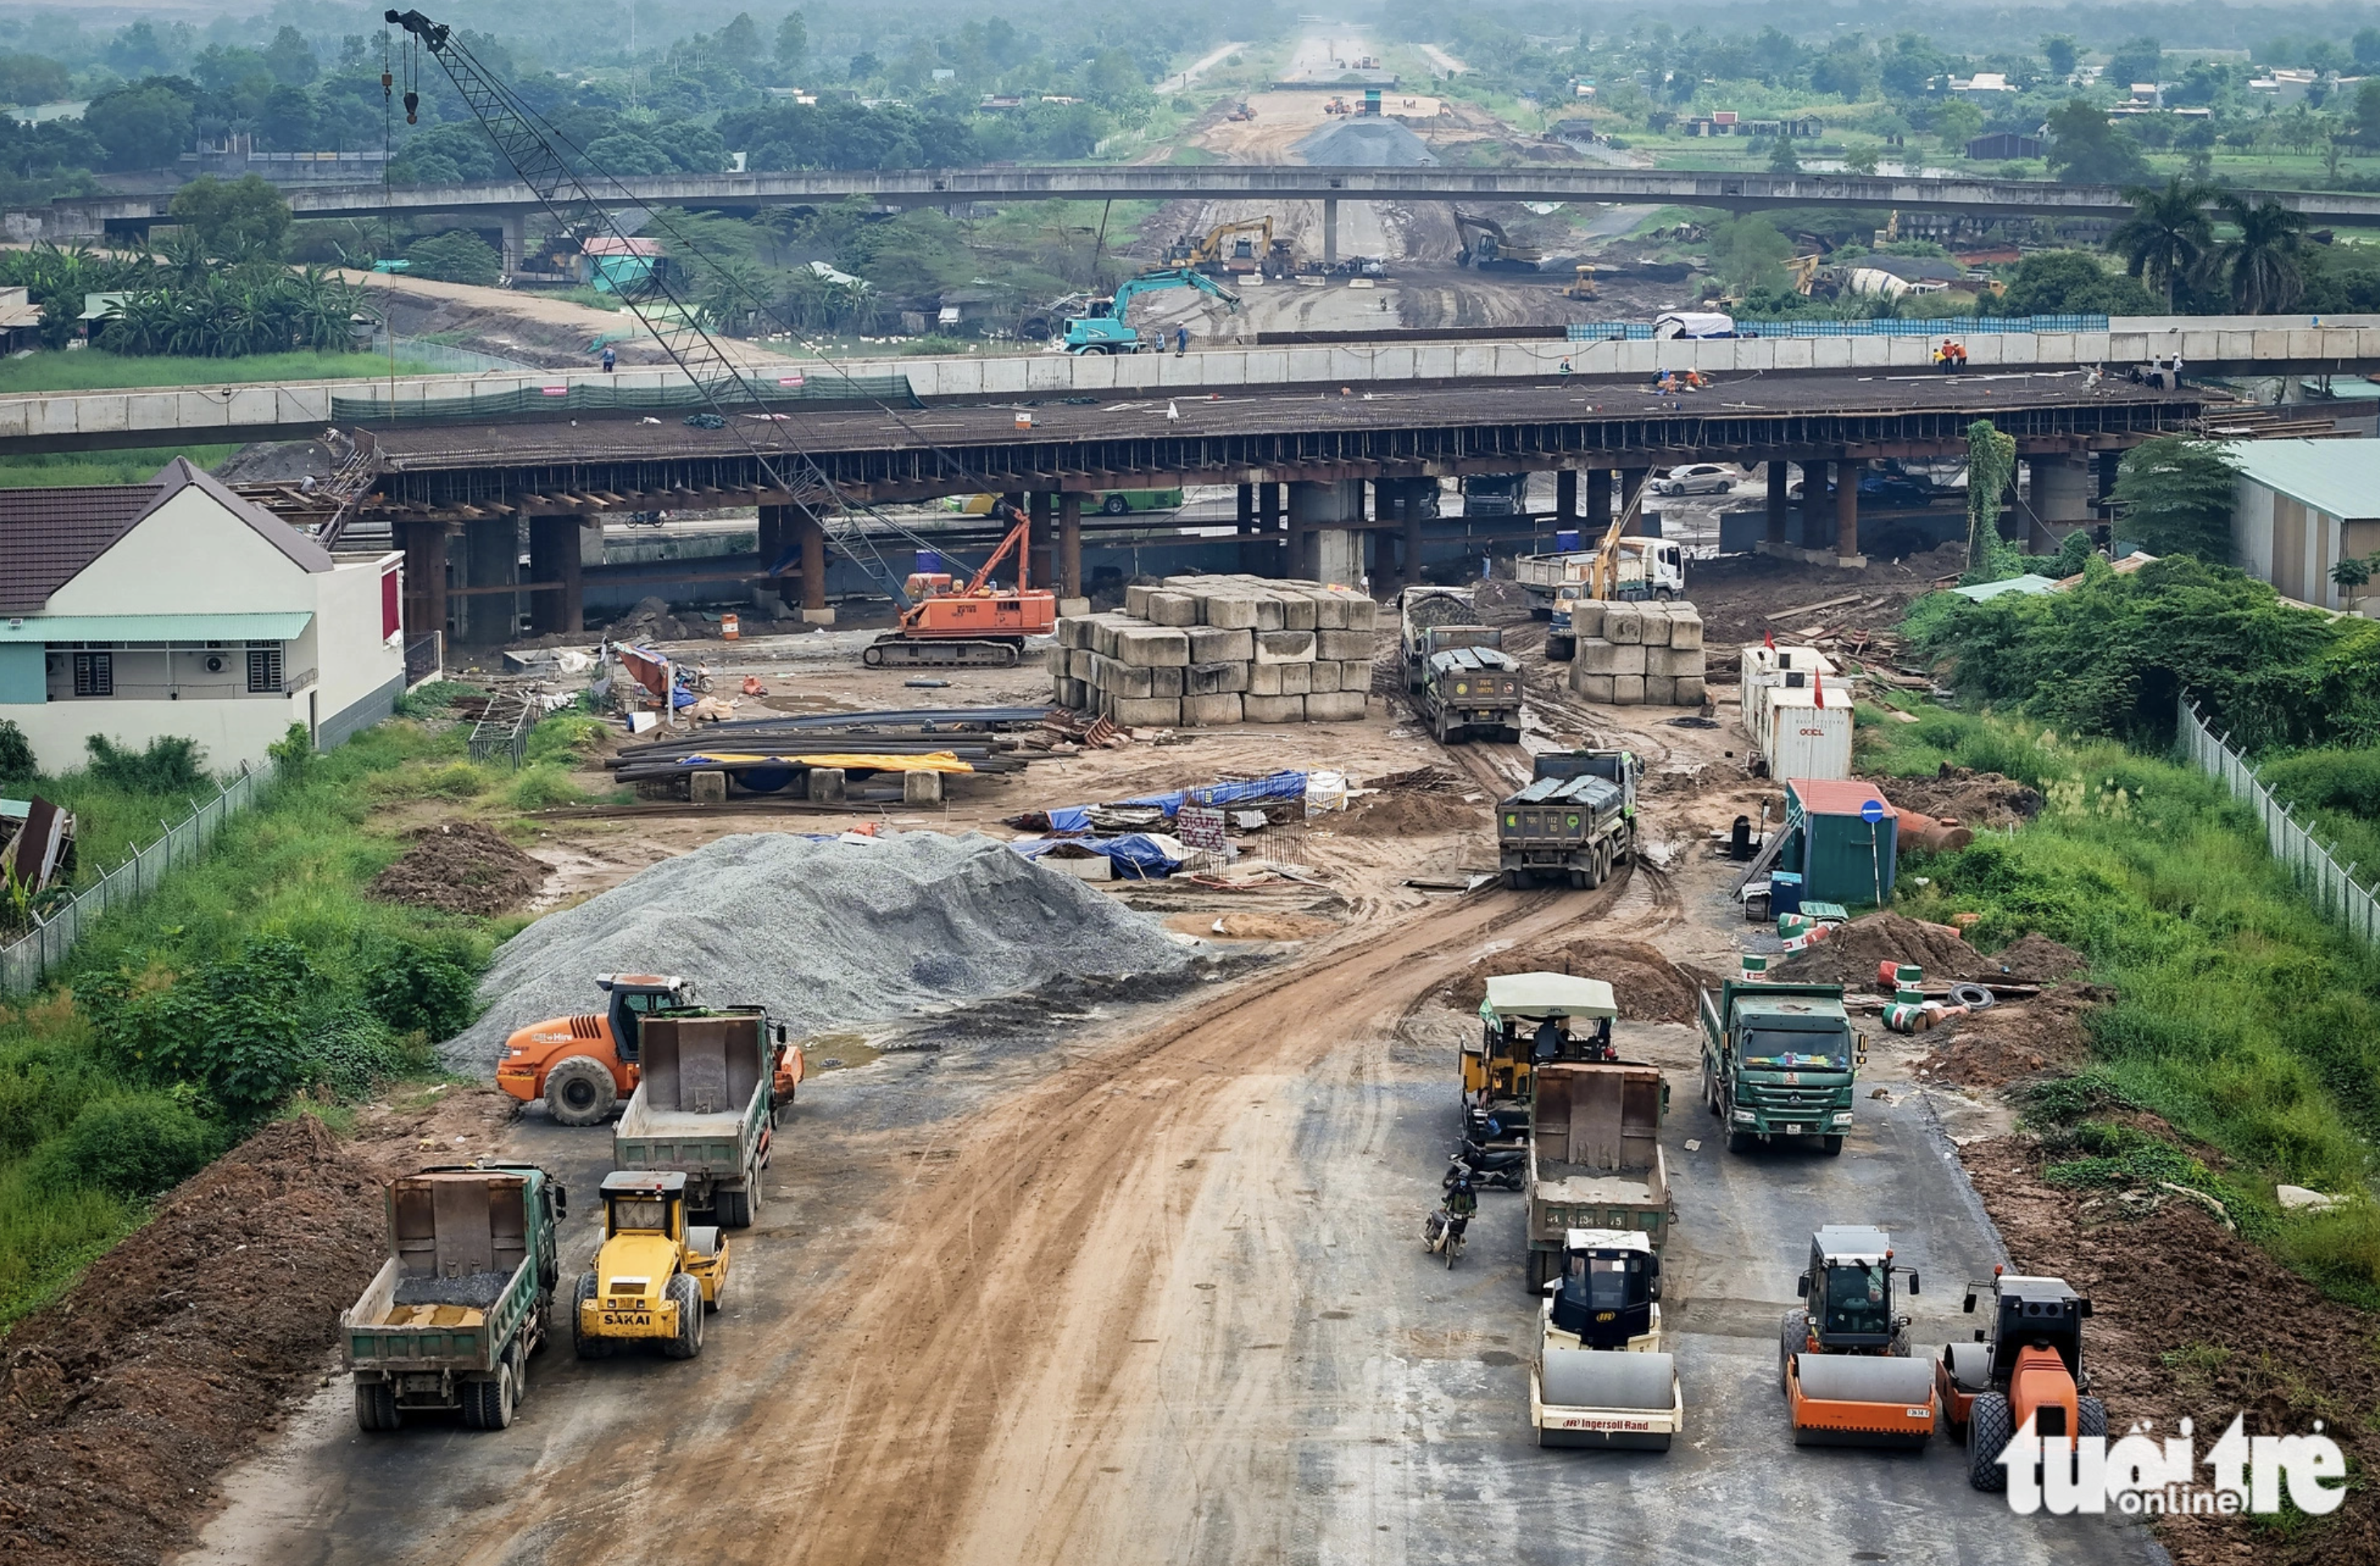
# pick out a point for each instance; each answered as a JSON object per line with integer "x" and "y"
{"x": 1205, "y": 650}
{"x": 1632, "y": 654}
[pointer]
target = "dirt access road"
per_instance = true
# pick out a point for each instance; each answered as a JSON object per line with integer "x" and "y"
{"x": 1080, "y": 1280}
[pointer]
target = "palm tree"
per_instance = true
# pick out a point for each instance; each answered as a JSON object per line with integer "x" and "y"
{"x": 2262, "y": 262}
{"x": 2167, "y": 234}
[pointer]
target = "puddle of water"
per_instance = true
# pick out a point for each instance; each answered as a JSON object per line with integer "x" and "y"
{"x": 838, "y": 1051}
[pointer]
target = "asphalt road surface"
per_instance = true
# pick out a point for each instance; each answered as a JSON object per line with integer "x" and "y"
{"x": 1142, "y": 1278}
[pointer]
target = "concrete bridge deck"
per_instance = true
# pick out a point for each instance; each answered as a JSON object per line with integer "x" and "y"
{"x": 497, "y": 200}
{"x": 33, "y": 422}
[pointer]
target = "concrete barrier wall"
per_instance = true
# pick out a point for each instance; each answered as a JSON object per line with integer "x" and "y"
{"x": 188, "y": 414}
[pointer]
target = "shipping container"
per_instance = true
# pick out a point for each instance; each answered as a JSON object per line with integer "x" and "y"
{"x": 1802, "y": 740}
{"x": 1778, "y": 668}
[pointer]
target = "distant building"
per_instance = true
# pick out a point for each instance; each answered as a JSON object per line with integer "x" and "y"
{"x": 21, "y": 320}
{"x": 2301, "y": 508}
{"x": 176, "y": 608}
{"x": 2285, "y": 89}
{"x": 1982, "y": 84}
{"x": 2005, "y": 146}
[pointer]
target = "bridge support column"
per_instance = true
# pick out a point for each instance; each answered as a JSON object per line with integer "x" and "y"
{"x": 1413, "y": 495}
{"x": 425, "y": 577}
{"x": 1599, "y": 503}
{"x": 811, "y": 535}
{"x": 1847, "y": 554}
{"x": 1779, "y": 479}
{"x": 1566, "y": 499}
{"x": 1325, "y": 517}
{"x": 515, "y": 242}
{"x": 2061, "y": 500}
{"x": 1274, "y": 559}
{"x": 1329, "y": 231}
{"x": 1243, "y": 518}
{"x": 491, "y": 559}
{"x": 1632, "y": 480}
{"x": 1070, "y": 544}
{"x": 1813, "y": 501}
{"x": 1036, "y": 544}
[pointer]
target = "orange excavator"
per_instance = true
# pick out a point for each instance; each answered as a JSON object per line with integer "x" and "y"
{"x": 976, "y": 625}
{"x": 583, "y": 1066}
{"x": 2026, "y": 1367}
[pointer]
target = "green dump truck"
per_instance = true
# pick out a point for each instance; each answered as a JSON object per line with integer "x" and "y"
{"x": 453, "y": 1316}
{"x": 1462, "y": 682}
{"x": 1780, "y": 1060}
{"x": 1576, "y": 818}
{"x": 705, "y": 1105}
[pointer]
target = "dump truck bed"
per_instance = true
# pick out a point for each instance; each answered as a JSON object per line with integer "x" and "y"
{"x": 701, "y": 1103}
{"x": 1594, "y": 1152}
{"x": 461, "y": 1280}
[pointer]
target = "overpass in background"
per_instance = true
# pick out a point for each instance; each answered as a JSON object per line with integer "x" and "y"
{"x": 508, "y": 204}
{"x": 35, "y": 422}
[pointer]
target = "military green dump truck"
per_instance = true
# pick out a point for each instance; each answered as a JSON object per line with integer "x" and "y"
{"x": 1575, "y": 819}
{"x": 455, "y": 1312}
{"x": 1463, "y": 684}
{"x": 1780, "y": 1060}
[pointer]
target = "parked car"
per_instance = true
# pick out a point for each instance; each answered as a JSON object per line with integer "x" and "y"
{"x": 1882, "y": 487}
{"x": 1697, "y": 478}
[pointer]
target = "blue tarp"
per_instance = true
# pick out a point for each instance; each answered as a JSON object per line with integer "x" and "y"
{"x": 1278, "y": 787}
{"x": 1136, "y": 855}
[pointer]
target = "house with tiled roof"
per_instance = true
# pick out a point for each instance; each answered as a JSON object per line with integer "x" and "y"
{"x": 174, "y": 607}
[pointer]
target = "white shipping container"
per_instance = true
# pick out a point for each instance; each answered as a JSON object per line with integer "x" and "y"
{"x": 1805, "y": 740}
{"x": 1773, "y": 668}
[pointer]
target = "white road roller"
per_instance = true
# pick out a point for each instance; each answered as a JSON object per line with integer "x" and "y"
{"x": 1601, "y": 1378}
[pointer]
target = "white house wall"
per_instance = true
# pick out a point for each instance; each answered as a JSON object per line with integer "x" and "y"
{"x": 354, "y": 660}
{"x": 190, "y": 556}
{"x": 231, "y": 731}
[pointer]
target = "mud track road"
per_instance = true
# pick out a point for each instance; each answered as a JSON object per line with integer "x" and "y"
{"x": 1152, "y": 1289}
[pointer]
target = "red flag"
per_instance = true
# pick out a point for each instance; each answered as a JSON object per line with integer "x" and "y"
{"x": 1768, "y": 641}
{"x": 1818, "y": 689}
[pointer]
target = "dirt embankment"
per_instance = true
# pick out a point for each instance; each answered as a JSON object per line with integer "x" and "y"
{"x": 1851, "y": 954}
{"x": 170, "y": 1357}
{"x": 2014, "y": 1040}
{"x": 1971, "y": 798}
{"x": 1645, "y": 986}
{"x": 2191, "y": 1321}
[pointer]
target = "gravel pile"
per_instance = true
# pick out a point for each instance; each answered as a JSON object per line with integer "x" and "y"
{"x": 1366, "y": 143}
{"x": 823, "y": 934}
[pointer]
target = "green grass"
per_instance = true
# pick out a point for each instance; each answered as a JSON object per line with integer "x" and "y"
{"x": 94, "y": 369}
{"x": 292, "y": 869}
{"x": 136, "y": 466}
{"x": 2241, "y": 1017}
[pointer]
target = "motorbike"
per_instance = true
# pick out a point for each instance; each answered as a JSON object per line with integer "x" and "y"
{"x": 1442, "y": 1231}
{"x": 1504, "y": 1171}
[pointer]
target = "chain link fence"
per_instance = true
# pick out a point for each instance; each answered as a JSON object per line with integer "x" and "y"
{"x": 26, "y": 962}
{"x": 2331, "y": 888}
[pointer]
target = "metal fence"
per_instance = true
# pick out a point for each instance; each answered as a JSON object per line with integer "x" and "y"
{"x": 2331, "y": 888}
{"x": 1802, "y": 326}
{"x": 25, "y": 963}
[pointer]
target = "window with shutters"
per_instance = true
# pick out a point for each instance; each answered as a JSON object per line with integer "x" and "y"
{"x": 94, "y": 673}
{"x": 264, "y": 669}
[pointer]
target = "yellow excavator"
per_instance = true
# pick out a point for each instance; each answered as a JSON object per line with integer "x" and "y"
{"x": 1227, "y": 249}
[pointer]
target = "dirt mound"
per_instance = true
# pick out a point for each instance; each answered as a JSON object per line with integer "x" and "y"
{"x": 2156, "y": 1350}
{"x": 650, "y": 621}
{"x": 1971, "y": 798}
{"x": 2015, "y": 1040}
{"x": 1850, "y": 956}
{"x": 1364, "y": 143}
{"x": 2036, "y": 959}
{"x": 127, "y": 1397}
{"x": 462, "y": 867}
{"x": 1406, "y": 814}
{"x": 1646, "y": 986}
{"x": 1250, "y": 926}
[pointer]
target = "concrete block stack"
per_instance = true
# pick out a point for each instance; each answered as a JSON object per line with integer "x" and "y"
{"x": 1208, "y": 650}
{"x": 1638, "y": 654}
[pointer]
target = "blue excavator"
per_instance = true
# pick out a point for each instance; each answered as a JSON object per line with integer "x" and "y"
{"x": 1104, "y": 330}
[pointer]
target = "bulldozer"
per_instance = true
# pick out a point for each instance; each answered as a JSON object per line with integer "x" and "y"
{"x": 584, "y": 1065}
{"x": 1600, "y": 1377}
{"x": 976, "y": 625}
{"x": 1842, "y": 1358}
{"x": 1583, "y": 285}
{"x": 655, "y": 1277}
{"x": 2027, "y": 1366}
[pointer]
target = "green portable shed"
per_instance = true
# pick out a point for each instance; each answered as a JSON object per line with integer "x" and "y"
{"x": 1846, "y": 837}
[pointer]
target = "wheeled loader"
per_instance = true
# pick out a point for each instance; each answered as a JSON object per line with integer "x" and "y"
{"x": 2026, "y": 1365}
{"x": 1842, "y": 1358}
{"x": 1601, "y": 1378}
{"x": 655, "y": 1276}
